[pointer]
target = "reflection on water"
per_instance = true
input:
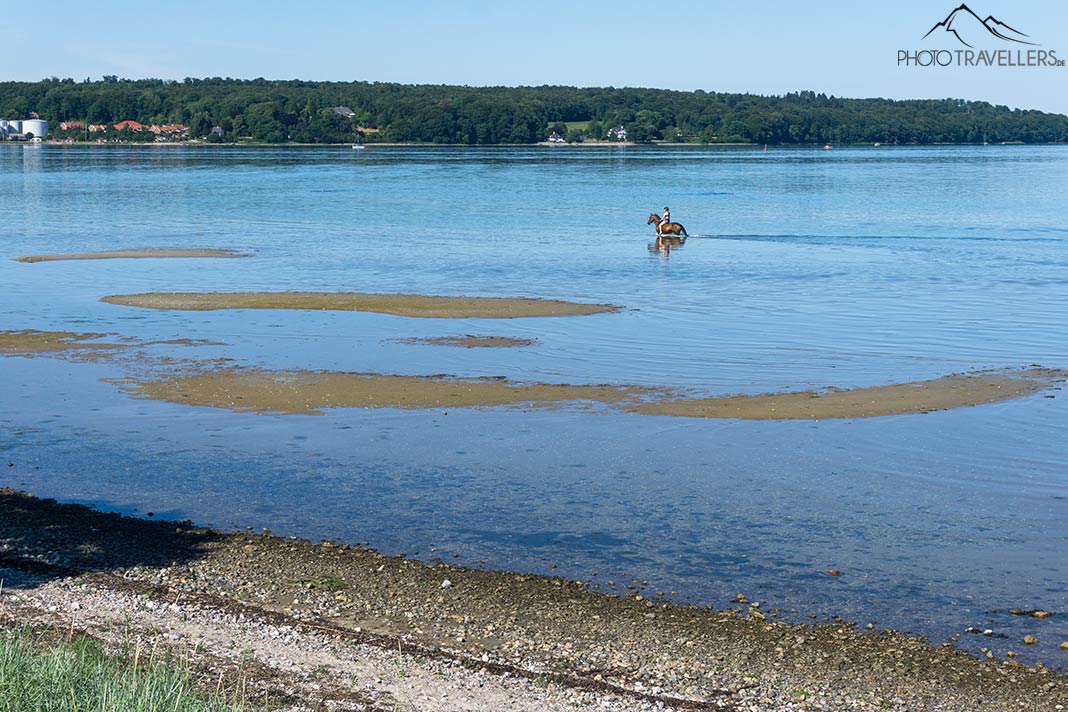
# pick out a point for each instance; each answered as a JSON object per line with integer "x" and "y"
{"x": 806, "y": 269}
{"x": 662, "y": 246}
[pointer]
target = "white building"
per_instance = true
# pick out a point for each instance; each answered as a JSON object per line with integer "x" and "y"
{"x": 37, "y": 127}
{"x": 18, "y": 129}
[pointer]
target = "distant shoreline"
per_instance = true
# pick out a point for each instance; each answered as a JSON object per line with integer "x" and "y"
{"x": 540, "y": 144}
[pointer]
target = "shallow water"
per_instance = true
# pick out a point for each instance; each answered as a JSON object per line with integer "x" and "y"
{"x": 807, "y": 268}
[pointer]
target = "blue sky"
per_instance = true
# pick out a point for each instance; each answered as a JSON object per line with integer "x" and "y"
{"x": 760, "y": 46}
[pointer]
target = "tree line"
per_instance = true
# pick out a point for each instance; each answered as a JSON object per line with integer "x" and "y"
{"x": 303, "y": 112}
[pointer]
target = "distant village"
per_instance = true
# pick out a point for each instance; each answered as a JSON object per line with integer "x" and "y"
{"x": 35, "y": 129}
{"x": 164, "y": 131}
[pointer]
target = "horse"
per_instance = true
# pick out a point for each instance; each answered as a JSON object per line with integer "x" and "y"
{"x": 666, "y": 228}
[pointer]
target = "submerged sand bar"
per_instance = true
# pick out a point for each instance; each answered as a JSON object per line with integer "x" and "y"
{"x": 29, "y": 342}
{"x": 314, "y": 391}
{"x": 470, "y": 341}
{"x": 133, "y": 254}
{"x": 945, "y": 393}
{"x": 413, "y": 305}
{"x": 310, "y": 392}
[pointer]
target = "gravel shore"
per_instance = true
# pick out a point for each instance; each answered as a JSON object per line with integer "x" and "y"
{"x": 328, "y": 626}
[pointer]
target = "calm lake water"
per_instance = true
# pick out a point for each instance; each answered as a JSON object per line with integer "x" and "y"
{"x": 808, "y": 268}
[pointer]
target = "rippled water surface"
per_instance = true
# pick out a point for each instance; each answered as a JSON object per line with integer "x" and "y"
{"x": 807, "y": 268}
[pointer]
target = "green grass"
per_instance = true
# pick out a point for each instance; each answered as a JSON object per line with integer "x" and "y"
{"x": 79, "y": 676}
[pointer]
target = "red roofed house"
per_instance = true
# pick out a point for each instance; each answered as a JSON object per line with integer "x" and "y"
{"x": 166, "y": 129}
{"x": 130, "y": 126}
{"x": 68, "y": 125}
{"x": 93, "y": 128}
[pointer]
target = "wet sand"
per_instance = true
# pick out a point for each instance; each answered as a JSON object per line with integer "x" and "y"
{"x": 329, "y": 618}
{"x": 412, "y": 305}
{"x": 29, "y": 342}
{"x": 946, "y": 393}
{"x": 134, "y": 254}
{"x": 470, "y": 341}
{"x": 219, "y": 383}
{"x": 313, "y": 391}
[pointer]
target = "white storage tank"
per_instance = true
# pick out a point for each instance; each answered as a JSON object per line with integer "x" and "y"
{"x": 38, "y": 127}
{"x": 7, "y": 126}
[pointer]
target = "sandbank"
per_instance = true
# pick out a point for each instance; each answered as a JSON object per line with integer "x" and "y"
{"x": 470, "y": 341}
{"x": 413, "y": 305}
{"x": 29, "y": 342}
{"x": 219, "y": 384}
{"x": 311, "y": 392}
{"x": 308, "y": 392}
{"x": 133, "y": 254}
{"x": 946, "y": 393}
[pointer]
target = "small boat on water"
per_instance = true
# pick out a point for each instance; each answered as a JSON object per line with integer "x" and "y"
{"x": 357, "y": 146}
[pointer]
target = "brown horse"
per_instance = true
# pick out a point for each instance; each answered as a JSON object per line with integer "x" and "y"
{"x": 666, "y": 228}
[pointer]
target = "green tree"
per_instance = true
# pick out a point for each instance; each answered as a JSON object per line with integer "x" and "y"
{"x": 276, "y": 110}
{"x": 200, "y": 125}
{"x": 575, "y": 135}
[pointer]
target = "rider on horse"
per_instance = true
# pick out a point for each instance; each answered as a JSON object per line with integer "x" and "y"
{"x": 664, "y": 226}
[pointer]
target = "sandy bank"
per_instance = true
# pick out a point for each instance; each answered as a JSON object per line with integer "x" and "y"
{"x": 327, "y": 619}
{"x": 133, "y": 254}
{"x": 470, "y": 341}
{"x": 309, "y": 392}
{"x": 313, "y": 391}
{"x": 26, "y": 343}
{"x": 218, "y": 383}
{"x": 946, "y": 393}
{"x": 413, "y": 305}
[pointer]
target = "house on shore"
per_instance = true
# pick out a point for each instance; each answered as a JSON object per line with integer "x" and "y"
{"x": 617, "y": 133}
{"x": 555, "y": 137}
{"x": 130, "y": 126}
{"x": 167, "y": 129}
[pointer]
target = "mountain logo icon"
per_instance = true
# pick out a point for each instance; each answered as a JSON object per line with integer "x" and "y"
{"x": 965, "y": 25}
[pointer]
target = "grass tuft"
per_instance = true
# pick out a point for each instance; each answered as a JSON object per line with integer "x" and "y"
{"x": 80, "y": 675}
